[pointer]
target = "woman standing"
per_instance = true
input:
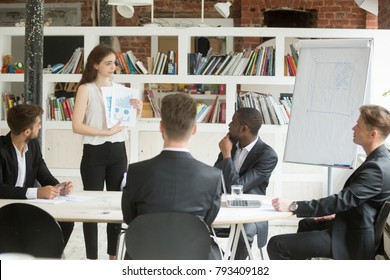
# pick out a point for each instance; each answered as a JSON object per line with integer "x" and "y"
{"x": 104, "y": 154}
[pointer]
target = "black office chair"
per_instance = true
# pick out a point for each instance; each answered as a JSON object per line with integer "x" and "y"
{"x": 379, "y": 227}
{"x": 26, "y": 228}
{"x": 167, "y": 236}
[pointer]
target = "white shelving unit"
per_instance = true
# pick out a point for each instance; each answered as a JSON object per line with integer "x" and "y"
{"x": 62, "y": 149}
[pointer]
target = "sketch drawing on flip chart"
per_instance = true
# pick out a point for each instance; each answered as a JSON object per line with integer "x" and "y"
{"x": 331, "y": 87}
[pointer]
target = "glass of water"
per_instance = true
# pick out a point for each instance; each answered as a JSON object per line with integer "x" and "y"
{"x": 237, "y": 191}
{"x": 104, "y": 205}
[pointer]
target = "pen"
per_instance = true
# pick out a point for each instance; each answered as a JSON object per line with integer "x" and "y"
{"x": 60, "y": 186}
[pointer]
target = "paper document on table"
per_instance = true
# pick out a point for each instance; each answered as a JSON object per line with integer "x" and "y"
{"x": 47, "y": 201}
{"x": 75, "y": 198}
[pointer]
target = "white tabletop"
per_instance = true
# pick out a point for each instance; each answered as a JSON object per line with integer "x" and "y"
{"x": 266, "y": 212}
{"x": 83, "y": 206}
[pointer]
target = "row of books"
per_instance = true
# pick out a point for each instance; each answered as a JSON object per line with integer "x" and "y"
{"x": 211, "y": 113}
{"x": 273, "y": 111}
{"x": 164, "y": 63}
{"x": 59, "y": 108}
{"x": 75, "y": 64}
{"x": 206, "y": 113}
{"x": 257, "y": 62}
{"x": 10, "y": 100}
{"x": 291, "y": 62}
{"x": 129, "y": 64}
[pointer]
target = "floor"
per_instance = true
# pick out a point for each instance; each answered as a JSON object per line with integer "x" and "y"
{"x": 75, "y": 250}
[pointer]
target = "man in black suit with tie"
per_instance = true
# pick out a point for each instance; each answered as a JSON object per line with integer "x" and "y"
{"x": 173, "y": 181}
{"x": 246, "y": 160}
{"x": 21, "y": 162}
{"x": 344, "y": 227}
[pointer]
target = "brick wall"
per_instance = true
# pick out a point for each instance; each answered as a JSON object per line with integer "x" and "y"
{"x": 330, "y": 14}
{"x": 384, "y": 14}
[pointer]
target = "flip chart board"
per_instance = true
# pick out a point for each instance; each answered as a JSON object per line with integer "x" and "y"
{"x": 330, "y": 86}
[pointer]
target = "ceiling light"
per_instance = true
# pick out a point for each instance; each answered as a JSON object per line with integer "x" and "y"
{"x": 126, "y": 11}
{"x": 223, "y": 8}
{"x": 368, "y": 5}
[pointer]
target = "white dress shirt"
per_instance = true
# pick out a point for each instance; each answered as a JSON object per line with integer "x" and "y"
{"x": 20, "y": 181}
{"x": 241, "y": 154}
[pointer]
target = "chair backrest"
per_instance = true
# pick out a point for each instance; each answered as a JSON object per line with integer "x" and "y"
{"x": 167, "y": 236}
{"x": 380, "y": 223}
{"x": 26, "y": 228}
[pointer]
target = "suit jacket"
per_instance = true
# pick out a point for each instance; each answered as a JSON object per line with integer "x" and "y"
{"x": 172, "y": 182}
{"x": 255, "y": 171}
{"x": 356, "y": 207}
{"x": 36, "y": 169}
{"x": 254, "y": 175}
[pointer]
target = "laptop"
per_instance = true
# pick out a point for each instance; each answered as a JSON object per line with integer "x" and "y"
{"x": 239, "y": 203}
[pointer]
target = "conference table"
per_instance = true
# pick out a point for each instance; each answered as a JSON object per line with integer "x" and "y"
{"x": 86, "y": 206}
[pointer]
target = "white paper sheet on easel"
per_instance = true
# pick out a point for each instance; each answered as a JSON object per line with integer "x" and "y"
{"x": 117, "y": 104}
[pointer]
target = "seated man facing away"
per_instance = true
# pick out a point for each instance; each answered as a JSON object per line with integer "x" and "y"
{"x": 344, "y": 228}
{"x": 246, "y": 160}
{"x": 21, "y": 162}
{"x": 173, "y": 181}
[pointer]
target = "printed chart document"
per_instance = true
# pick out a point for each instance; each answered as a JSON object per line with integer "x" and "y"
{"x": 117, "y": 104}
{"x": 61, "y": 198}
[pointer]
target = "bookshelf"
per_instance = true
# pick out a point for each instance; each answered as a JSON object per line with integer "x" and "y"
{"x": 63, "y": 149}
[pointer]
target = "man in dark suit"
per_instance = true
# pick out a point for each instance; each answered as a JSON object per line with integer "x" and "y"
{"x": 21, "y": 162}
{"x": 246, "y": 160}
{"x": 173, "y": 181}
{"x": 344, "y": 228}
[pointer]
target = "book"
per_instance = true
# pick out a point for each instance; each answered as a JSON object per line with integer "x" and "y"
{"x": 131, "y": 60}
{"x": 163, "y": 65}
{"x": 123, "y": 63}
{"x": 223, "y": 64}
{"x": 215, "y": 64}
{"x": 290, "y": 65}
{"x": 149, "y": 64}
{"x": 215, "y": 114}
{"x": 155, "y": 63}
{"x": 203, "y": 114}
{"x": 294, "y": 54}
{"x": 204, "y": 61}
{"x": 153, "y": 102}
{"x": 222, "y": 112}
{"x": 249, "y": 56}
{"x": 77, "y": 61}
{"x": 209, "y": 118}
{"x": 65, "y": 109}
{"x": 191, "y": 62}
{"x": 234, "y": 64}
{"x": 142, "y": 67}
{"x": 160, "y": 63}
{"x": 171, "y": 63}
{"x": 201, "y": 111}
{"x": 229, "y": 64}
{"x": 208, "y": 65}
